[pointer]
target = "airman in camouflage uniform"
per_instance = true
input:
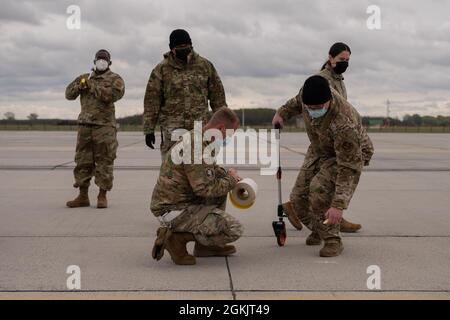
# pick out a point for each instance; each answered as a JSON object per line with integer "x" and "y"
{"x": 335, "y": 66}
{"x": 332, "y": 70}
{"x": 330, "y": 173}
{"x": 97, "y": 133}
{"x": 189, "y": 199}
{"x": 178, "y": 91}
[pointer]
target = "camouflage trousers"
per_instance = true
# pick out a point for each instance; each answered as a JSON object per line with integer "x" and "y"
{"x": 95, "y": 153}
{"x": 209, "y": 223}
{"x": 313, "y": 193}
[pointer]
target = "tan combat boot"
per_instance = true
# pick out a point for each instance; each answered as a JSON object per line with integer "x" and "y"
{"x": 332, "y": 248}
{"x": 176, "y": 246}
{"x": 292, "y": 215}
{"x": 102, "y": 202}
{"x": 82, "y": 200}
{"x": 162, "y": 234}
{"x": 213, "y": 251}
{"x": 349, "y": 227}
{"x": 313, "y": 239}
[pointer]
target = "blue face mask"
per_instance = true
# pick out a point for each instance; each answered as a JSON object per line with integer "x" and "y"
{"x": 317, "y": 113}
{"x": 226, "y": 141}
{"x": 222, "y": 143}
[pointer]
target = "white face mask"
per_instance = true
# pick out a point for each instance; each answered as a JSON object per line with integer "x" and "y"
{"x": 101, "y": 65}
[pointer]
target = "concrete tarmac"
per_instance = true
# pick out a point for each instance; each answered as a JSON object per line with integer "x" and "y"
{"x": 402, "y": 202}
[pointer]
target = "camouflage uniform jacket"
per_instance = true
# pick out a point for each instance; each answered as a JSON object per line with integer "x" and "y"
{"x": 97, "y": 102}
{"x": 181, "y": 185}
{"x": 335, "y": 80}
{"x": 177, "y": 94}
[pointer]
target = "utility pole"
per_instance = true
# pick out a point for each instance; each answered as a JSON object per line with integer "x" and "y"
{"x": 388, "y": 112}
{"x": 243, "y": 117}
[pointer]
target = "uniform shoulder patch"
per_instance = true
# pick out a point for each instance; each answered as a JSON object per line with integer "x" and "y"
{"x": 347, "y": 146}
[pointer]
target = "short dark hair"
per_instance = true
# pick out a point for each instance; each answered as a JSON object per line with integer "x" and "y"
{"x": 224, "y": 115}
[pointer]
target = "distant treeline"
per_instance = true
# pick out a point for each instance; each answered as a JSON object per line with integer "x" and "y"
{"x": 49, "y": 122}
{"x": 260, "y": 116}
{"x": 254, "y": 117}
{"x": 414, "y": 120}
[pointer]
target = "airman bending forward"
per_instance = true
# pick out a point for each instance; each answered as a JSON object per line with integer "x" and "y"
{"x": 332, "y": 167}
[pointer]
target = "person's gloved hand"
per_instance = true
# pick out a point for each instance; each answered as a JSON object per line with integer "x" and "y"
{"x": 85, "y": 84}
{"x": 150, "y": 140}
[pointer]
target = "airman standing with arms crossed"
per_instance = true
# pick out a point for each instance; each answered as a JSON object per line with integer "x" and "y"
{"x": 97, "y": 133}
{"x": 178, "y": 91}
{"x": 333, "y": 163}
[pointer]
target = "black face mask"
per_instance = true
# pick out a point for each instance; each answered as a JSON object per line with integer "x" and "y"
{"x": 341, "y": 66}
{"x": 182, "y": 53}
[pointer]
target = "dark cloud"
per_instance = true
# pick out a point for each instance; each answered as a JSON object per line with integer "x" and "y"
{"x": 16, "y": 11}
{"x": 263, "y": 49}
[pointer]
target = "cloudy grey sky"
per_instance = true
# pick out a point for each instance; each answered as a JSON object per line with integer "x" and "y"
{"x": 263, "y": 50}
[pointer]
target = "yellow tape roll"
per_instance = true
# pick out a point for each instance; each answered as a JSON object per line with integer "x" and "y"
{"x": 243, "y": 195}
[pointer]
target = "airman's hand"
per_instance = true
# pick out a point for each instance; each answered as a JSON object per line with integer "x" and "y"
{"x": 233, "y": 172}
{"x": 277, "y": 119}
{"x": 150, "y": 140}
{"x": 333, "y": 215}
{"x": 85, "y": 84}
